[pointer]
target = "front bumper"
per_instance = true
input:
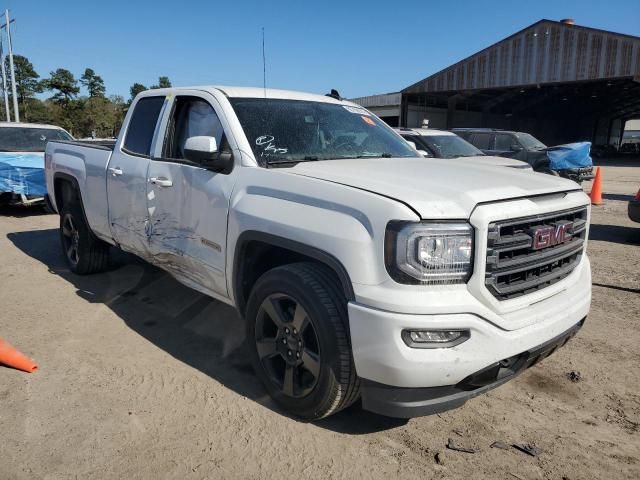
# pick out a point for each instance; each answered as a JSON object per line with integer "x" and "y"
{"x": 414, "y": 402}
{"x": 577, "y": 174}
{"x": 402, "y": 381}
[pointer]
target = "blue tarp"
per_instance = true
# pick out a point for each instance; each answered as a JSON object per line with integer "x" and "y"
{"x": 569, "y": 156}
{"x": 22, "y": 173}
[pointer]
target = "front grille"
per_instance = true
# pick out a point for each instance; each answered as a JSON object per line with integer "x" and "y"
{"x": 514, "y": 267}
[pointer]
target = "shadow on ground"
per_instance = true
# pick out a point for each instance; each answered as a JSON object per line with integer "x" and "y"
{"x": 617, "y": 196}
{"x": 203, "y": 333}
{"x": 20, "y": 211}
{"x": 617, "y": 287}
{"x": 615, "y": 233}
{"x": 619, "y": 161}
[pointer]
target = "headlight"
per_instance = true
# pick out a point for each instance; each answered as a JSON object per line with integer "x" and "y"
{"x": 431, "y": 253}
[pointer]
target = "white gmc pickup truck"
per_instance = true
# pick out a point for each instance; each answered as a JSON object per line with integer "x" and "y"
{"x": 362, "y": 270}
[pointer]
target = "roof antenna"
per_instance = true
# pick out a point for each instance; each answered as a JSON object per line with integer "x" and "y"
{"x": 264, "y": 67}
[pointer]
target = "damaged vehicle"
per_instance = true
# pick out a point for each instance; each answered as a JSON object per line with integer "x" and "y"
{"x": 432, "y": 143}
{"x": 572, "y": 160}
{"x": 22, "y": 147}
{"x": 361, "y": 270}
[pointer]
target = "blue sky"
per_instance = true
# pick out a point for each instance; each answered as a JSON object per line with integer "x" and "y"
{"x": 357, "y": 47}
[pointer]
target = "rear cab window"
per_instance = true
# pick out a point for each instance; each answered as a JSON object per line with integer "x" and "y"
{"x": 142, "y": 126}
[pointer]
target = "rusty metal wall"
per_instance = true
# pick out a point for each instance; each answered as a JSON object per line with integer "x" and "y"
{"x": 545, "y": 52}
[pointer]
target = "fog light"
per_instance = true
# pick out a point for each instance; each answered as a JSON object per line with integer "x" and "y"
{"x": 434, "y": 338}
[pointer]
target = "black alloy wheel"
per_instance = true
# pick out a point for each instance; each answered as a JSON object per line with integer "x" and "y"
{"x": 287, "y": 345}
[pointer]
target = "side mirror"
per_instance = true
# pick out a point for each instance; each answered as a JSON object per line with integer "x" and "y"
{"x": 516, "y": 148}
{"x": 204, "y": 150}
{"x": 201, "y": 148}
{"x": 424, "y": 153}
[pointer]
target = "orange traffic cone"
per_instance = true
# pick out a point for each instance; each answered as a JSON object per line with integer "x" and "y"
{"x": 596, "y": 189}
{"x": 10, "y": 357}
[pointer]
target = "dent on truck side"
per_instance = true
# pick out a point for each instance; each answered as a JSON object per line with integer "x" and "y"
{"x": 342, "y": 226}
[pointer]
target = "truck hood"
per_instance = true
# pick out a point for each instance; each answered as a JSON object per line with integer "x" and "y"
{"x": 435, "y": 188}
{"x": 498, "y": 161}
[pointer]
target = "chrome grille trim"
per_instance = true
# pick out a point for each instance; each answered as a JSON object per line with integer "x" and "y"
{"x": 514, "y": 268}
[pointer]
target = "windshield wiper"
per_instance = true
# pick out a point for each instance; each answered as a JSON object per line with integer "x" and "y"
{"x": 367, "y": 155}
{"x": 284, "y": 161}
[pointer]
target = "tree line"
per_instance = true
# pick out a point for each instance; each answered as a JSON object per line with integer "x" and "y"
{"x": 94, "y": 114}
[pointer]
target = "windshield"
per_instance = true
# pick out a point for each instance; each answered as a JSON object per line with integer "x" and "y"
{"x": 448, "y": 146}
{"x": 530, "y": 142}
{"x": 287, "y": 131}
{"x": 20, "y": 139}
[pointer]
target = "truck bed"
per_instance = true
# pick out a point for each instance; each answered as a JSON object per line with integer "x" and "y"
{"x": 86, "y": 162}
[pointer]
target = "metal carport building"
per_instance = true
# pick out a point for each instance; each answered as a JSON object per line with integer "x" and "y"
{"x": 557, "y": 80}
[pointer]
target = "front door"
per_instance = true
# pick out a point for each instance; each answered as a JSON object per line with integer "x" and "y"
{"x": 127, "y": 177}
{"x": 188, "y": 204}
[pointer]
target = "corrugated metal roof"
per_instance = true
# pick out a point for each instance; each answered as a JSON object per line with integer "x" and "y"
{"x": 545, "y": 52}
{"x": 384, "y": 100}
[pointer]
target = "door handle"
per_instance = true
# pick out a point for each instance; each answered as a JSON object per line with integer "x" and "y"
{"x": 115, "y": 171}
{"x": 161, "y": 181}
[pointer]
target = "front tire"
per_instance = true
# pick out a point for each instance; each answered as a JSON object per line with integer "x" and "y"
{"x": 84, "y": 253}
{"x": 297, "y": 333}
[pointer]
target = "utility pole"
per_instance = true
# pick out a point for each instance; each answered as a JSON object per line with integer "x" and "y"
{"x": 4, "y": 83}
{"x": 16, "y": 113}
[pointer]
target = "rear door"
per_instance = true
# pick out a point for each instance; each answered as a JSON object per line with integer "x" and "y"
{"x": 483, "y": 141}
{"x": 502, "y": 145}
{"x": 127, "y": 177}
{"x": 188, "y": 204}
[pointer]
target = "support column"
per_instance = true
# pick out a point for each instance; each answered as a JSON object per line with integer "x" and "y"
{"x": 451, "y": 111}
{"x": 404, "y": 110}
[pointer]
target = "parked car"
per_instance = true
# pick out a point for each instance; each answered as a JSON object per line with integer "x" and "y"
{"x": 571, "y": 161}
{"x": 444, "y": 144}
{"x": 22, "y": 160}
{"x": 361, "y": 269}
{"x": 634, "y": 208}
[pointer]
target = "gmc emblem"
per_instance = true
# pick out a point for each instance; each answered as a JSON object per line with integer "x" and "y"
{"x": 550, "y": 235}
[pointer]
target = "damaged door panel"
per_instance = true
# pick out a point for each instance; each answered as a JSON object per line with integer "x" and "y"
{"x": 127, "y": 178}
{"x": 187, "y": 203}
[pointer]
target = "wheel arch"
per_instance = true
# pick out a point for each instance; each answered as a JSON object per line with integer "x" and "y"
{"x": 66, "y": 188}
{"x": 257, "y": 252}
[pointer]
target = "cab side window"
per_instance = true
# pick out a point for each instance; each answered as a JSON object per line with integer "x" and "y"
{"x": 191, "y": 117}
{"x": 503, "y": 142}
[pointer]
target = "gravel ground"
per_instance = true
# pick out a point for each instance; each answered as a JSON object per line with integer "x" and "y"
{"x": 141, "y": 377}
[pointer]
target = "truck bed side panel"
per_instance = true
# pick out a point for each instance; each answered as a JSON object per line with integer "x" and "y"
{"x": 88, "y": 165}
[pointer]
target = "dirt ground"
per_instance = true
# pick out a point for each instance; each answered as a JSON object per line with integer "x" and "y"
{"x": 141, "y": 377}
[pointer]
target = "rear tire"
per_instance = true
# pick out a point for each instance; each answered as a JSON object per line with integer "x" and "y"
{"x": 298, "y": 339}
{"x": 84, "y": 252}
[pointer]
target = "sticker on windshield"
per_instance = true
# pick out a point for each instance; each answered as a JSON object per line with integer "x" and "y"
{"x": 368, "y": 120}
{"x": 356, "y": 110}
{"x": 267, "y": 142}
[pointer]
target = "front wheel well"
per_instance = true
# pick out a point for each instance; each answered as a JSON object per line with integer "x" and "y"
{"x": 258, "y": 253}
